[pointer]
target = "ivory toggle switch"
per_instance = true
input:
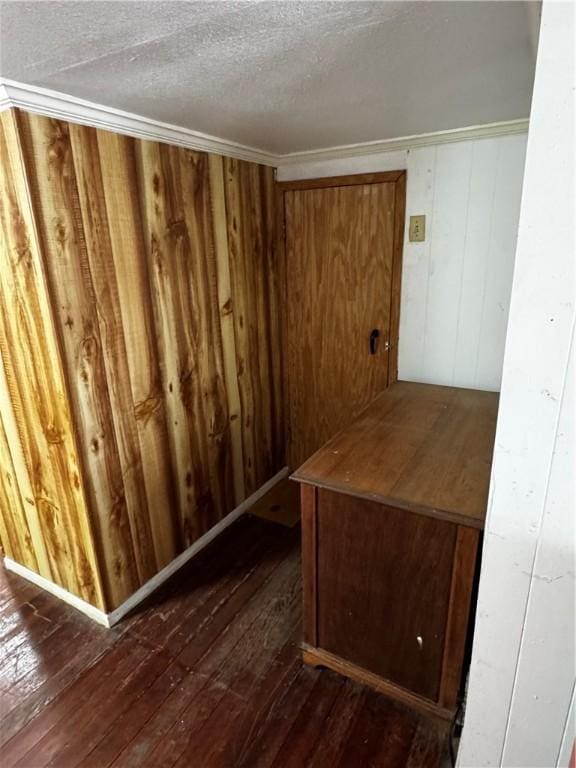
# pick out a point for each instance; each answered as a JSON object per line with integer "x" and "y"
{"x": 417, "y": 229}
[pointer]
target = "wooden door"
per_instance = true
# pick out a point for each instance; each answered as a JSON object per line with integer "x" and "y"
{"x": 343, "y": 240}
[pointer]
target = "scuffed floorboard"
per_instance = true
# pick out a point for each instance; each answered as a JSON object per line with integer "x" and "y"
{"x": 207, "y": 674}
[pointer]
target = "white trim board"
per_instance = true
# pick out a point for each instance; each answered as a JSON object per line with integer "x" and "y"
{"x": 469, "y": 133}
{"x": 152, "y": 584}
{"x": 76, "y": 602}
{"x": 44, "y": 101}
{"x": 110, "y": 619}
{"x": 5, "y": 102}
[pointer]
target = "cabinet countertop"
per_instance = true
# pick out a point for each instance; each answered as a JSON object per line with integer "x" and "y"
{"x": 420, "y": 447}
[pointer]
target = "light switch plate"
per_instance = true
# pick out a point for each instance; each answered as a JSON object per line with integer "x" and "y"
{"x": 417, "y": 229}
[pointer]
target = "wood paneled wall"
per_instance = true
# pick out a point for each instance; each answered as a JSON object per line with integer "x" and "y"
{"x": 40, "y": 458}
{"x": 140, "y": 338}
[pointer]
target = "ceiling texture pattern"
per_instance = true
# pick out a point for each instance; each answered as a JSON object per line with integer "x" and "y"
{"x": 282, "y": 76}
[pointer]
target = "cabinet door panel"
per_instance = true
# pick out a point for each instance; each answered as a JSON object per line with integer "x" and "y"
{"x": 383, "y": 589}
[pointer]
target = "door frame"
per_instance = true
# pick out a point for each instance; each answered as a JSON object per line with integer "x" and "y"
{"x": 398, "y": 178}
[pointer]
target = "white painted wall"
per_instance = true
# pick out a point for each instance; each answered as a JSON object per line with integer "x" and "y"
{"x": 455, "y": 285}
{"x": 520, "y": 708}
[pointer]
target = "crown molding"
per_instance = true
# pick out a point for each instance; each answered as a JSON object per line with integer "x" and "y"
{"x": 43, "y": 101}
{"x": 4, "y": 98}
{"x": 506, "y": 128}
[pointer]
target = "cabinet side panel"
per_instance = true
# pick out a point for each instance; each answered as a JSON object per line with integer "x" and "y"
{"x": 465, "y": 554}
{"x": 308, "y": 495}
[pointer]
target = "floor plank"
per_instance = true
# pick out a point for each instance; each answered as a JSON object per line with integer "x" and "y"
{"x": 206, "y": 674}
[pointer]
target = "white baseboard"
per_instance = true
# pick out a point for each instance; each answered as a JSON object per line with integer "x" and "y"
{"x": 76, "y": 602}
{"x": 109, "y": 619}
{"x": 152, "y": 584}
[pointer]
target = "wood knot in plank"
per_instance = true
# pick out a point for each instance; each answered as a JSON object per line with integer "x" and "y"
{"x": 177, "y": 229}
{"x": 58, "y": 139}
{"x": 60, "y": 234}
{"x": 53, "y": 434}
{"x": 146, "y": 408}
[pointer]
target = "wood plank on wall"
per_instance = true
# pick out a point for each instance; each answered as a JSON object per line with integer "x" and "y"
{"x": 550, "y": 614}
{"x": 248, "y": 253}
{"x": 50, "y": 473}
{"x": 174, "y": 188}
{"x": 241, "y": 303}
{"x": 522, "y": 668}
{"x": 482, "y": 190}
{"x": 93, "y": 209}
{"x": 415, "y": 264}
{"x": 452, "y": 177}
{"x": 500, "y": 259}
{"x": 226, "y": 309}
{"x": 15, "y": 534}
{"x": 118, "y": 160}
{"x": 57, "y": 210}
{"x": 274, "y": 270}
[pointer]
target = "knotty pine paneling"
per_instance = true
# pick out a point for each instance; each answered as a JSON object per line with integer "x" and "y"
{"x": 160, "y": 295}
{"x": 36, "y": 413}
{"x": 254, "y": 277}
{"x": 15, "y": 531}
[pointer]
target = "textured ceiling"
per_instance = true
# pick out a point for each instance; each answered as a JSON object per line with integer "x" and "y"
{"x": 282, "y": 76}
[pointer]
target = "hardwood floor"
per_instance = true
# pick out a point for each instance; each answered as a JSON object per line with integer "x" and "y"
{"x": 207, "y": 674}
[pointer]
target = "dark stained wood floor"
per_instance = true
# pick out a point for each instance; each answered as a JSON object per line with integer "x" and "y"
{"x": 207, "y": 674}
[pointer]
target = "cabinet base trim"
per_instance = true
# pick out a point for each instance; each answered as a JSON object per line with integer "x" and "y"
{"x": 317, "y": 657}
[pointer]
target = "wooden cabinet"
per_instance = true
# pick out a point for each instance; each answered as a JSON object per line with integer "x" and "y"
{"x": 392, "y": 510}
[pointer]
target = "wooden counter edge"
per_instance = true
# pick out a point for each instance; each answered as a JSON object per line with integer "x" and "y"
{"x": 390, "y": 501}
